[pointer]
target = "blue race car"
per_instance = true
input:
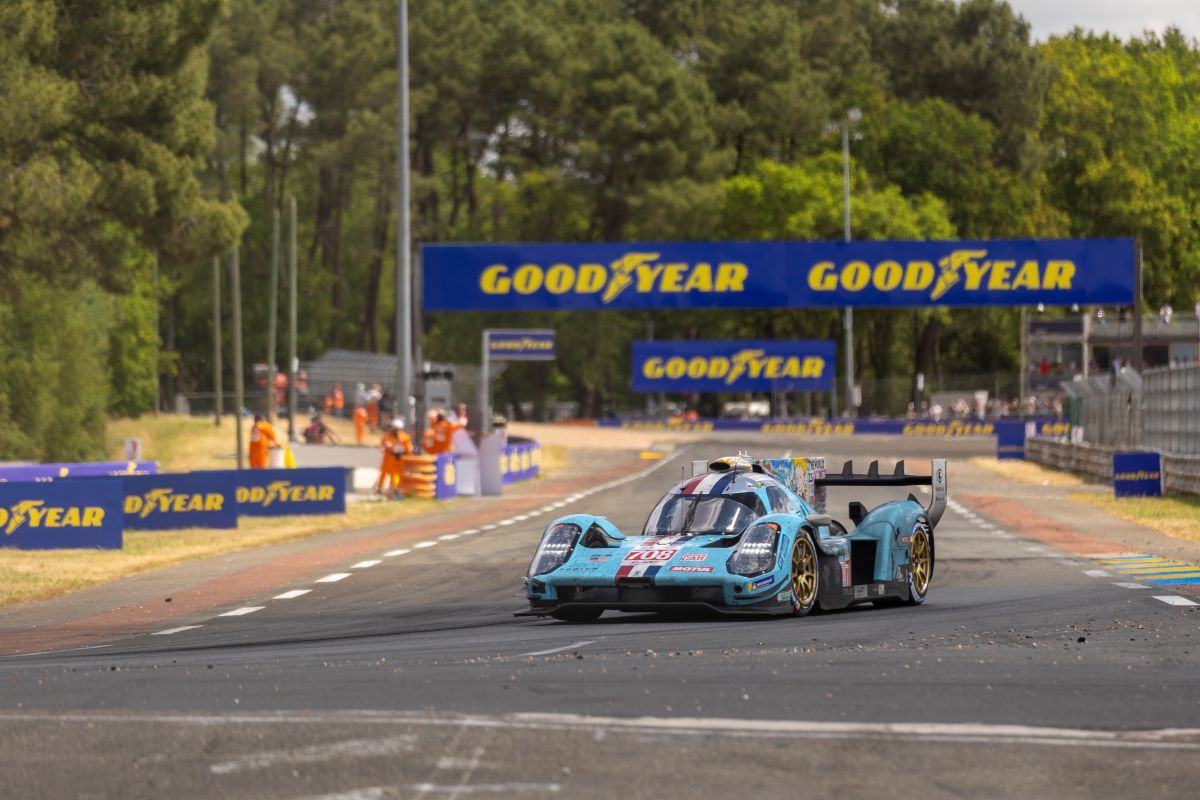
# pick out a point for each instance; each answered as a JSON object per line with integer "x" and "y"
{"x": 744, "y": 536}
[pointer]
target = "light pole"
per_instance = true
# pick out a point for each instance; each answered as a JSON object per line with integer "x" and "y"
{"x": 404, "y": 366}
{"x": 853, "y": 116}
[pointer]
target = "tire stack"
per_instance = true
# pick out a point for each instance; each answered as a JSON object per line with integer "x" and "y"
{"x": 420, "y": 476}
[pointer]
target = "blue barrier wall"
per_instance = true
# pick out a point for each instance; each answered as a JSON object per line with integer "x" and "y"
{"x": 283, "y": 492}
{"x": 520, "y": 462}
{"x": 91, "y": 469}
{"x": 65, "y": 513}
{"x": 1010, "y": 433}
{"x": 180, "y": 500}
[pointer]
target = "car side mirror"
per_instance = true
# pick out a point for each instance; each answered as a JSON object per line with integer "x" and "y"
{"x": 819, "y": 520}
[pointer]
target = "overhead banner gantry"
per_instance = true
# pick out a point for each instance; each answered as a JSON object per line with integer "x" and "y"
{"x": 661, "y": 275}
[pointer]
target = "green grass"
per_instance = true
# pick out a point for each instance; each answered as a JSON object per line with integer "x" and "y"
{"x": 1177, "y": 517}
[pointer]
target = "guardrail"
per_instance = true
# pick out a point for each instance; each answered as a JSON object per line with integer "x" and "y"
{"x": 1181, "y": 473}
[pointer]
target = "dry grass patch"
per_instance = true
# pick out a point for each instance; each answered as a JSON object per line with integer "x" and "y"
{"x": 1027, "y": 472}
{"x": 27, "y": 575}
{"x": 1177, "y": 517}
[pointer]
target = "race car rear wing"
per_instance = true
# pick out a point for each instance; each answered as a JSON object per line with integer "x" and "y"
{"x": 936, "y": 480}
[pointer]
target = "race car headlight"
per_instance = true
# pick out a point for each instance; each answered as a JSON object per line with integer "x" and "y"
{"x": 755, "y": 553}
{"x": 555, "y": 548}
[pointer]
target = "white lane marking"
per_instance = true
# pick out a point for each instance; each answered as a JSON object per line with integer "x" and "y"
{"x": 1002, "y": 535}
{"x": 1066, "y": 562}
{"x": 470, "y": 531}
{"x": 333, "y": 577}
{"x": 292, "y": 595}
{"x": 241, "y": 612}
{"x": 424, "y": 544}
{"x": 559, "y": 649}
{"x": 520, "y": 518}
{"x": 394, "y": 553}
{"x": 365, "y": 564}
{"x": 449, "y": 537}
{"x": 180, "y": 629}
{"x": 505, "y": 522}
{"x": 987, "y": 526}
{"x": 1132, "y": 585}
{"x": 1161, "y": 738}
{"x": 1175, "y": 600}
{"x": 68, "y": 650}
{"x": 559, "y": 504}
{"x": 350, "y": 748}
{"x": 545, "y": 509}
{"x": 487, "y": 527}
{"x": 501, "y": 789}
{"x": 1097, "y": 573}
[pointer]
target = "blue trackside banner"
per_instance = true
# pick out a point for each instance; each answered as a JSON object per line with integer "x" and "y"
{"x": 445, "y": 487}
{"x": 90, "y": 469}
{"x": 61, "y": 514}
{"x": 514, "y": 345}
{"x": 1137, "y": 474}
{"x": 283, "y": 492}
{"x": 796, "y": 365}
{"x": 180, "y": 500}
{"x": 655, "y": 275}
{"x": 520, "y": 461}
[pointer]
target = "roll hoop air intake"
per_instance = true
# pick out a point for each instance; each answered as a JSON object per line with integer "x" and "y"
{"x": 936, "y": 480}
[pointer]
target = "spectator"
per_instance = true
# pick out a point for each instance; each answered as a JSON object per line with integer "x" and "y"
{"x": 317, "y": 432}
{"x": 373, "y": 406}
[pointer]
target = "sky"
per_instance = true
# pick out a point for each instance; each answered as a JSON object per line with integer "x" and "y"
{"x": 1123, "y": 17}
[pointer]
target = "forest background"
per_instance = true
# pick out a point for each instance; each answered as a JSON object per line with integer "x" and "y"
{"x": 139, "y": 140}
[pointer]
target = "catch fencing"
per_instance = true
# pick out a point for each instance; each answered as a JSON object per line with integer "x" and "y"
{"x": 1181, "y": 473}
{"x": 1158, "y": 410}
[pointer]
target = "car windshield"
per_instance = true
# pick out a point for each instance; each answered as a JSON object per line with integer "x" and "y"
{"x": 698, "y": 513}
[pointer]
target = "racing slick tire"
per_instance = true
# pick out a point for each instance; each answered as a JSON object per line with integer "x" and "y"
{"x": 577, "y": 614}
{"x": 805, "y": 575}
{"x": 920, "y": 563}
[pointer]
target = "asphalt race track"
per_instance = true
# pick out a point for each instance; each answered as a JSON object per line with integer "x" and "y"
{"x": 1022, "y": 676}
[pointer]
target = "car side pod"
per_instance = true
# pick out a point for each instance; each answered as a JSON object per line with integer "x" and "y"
{"x": 936, "y": 480}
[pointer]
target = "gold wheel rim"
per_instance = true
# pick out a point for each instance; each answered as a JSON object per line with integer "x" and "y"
{"x": 921, "y": 561}
{"x": 804, "y": 572}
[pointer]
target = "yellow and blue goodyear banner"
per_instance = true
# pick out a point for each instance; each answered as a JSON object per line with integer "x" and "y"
{"x": 730, "y": 365}
{"x": 283, "y": 492}
{"x": 1137, "y": 474}
{"x": 652, "y": 275}
{"x": 61, "y": 514}
{"x": 519, "y": 345}
{"x": 180, "y": 500}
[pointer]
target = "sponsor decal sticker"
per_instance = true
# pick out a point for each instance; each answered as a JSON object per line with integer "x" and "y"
{"x": 860, "y": 591}
{"x": 683, "y": 568}
{"x": 762, "y": 583}
{"x": 784, "y": 596}
{"x": 694, "y": 557}
{"x": 602, "y": 557}
{"x": 658, "y": 554}
{"x": 845, "y": 565}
